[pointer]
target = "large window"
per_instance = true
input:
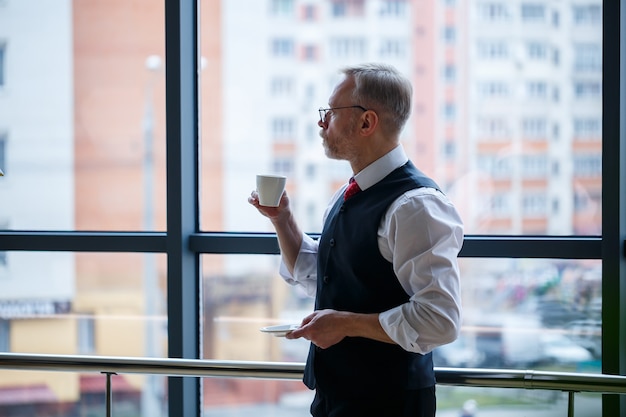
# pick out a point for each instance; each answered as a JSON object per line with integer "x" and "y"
{"x": 3, "y": 48}
{"x": 124, "y": 223}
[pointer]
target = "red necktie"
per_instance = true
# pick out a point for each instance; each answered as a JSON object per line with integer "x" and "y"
{"x": 351, "y": 190}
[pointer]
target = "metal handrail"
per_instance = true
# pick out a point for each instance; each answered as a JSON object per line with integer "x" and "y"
{"x": 474, "y": 377}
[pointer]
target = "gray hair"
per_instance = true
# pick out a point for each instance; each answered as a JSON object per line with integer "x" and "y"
{"x": 384, "y": 89}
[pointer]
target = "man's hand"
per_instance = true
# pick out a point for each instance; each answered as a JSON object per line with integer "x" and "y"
{"x": 287, "y": 230}
{"x": 325, "y": 328}
{"x": 275, "y": 214}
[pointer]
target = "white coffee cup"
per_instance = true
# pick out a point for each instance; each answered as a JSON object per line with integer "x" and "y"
{"x": 270, "y": 189}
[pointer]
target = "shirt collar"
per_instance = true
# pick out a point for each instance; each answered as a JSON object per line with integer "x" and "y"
{"x": 381, "y": 167}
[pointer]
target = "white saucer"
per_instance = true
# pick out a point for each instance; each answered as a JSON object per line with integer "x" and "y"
{"x": 281, "y": 330}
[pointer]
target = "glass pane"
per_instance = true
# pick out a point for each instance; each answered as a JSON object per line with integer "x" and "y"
{"x": 507, "y": 105}
{"x": 242, "y": 294}
{"x": 517, "y": 313}
{"x": 224, "y": 397}
{"x": 65, "y": 394}
{"x": 471, "y": 402}
{"x": 82, "y": 304}
{"x": 82, "y": 122}
{"x": 542, "y": 314}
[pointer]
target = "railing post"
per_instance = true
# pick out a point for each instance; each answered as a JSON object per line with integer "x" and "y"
{"x": 570, "y": 403}
{"x": 108, "y": 394}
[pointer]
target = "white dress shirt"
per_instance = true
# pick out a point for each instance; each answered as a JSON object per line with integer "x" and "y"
{"x": 421, "y": 234}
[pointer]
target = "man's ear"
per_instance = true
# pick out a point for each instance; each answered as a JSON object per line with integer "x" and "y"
{"x": 369, "y": 122}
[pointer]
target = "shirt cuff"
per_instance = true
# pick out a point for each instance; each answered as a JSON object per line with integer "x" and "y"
{"x": 305, "y": 268}
{"x": 399, "y": 330}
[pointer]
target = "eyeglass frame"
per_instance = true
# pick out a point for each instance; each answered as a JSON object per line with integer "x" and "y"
{"x": 324, "y": 112}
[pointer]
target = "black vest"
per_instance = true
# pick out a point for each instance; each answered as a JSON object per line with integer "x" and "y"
{"x": 353, "y": 276}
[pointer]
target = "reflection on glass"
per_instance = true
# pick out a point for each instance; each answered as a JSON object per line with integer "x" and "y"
{"x": 66, "y": 394}
{"x": 507, "y": 105}
{"x": 244, "y": 296}
{"x": 81, "y": 304}
{"x": 475, "y": 402}
{"x": 541, "y": 314}
{"x": 528, "y": 313}
{"x": 244, "y": 397}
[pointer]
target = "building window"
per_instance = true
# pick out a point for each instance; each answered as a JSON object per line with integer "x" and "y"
{"x": 534, "y": 204}
{"x": 449, "y": 73}
{"x": 281, "y": 86}
{"x": 587, "y": 166}
{"x": 588, "y": 57}
{"x": 3, "y": 149}
{"x": 496, "y": 167}
{"x": 587, "y": 128}
{"x": 4, "y": 225}
{"x": 282, "y": 47}
{"x": 282, "y": 7}
{"x": 493, "y": 11}
{"x": 5, "y": 335}
{"x": 500, "y": 204}
{"x": 493, "y": 89}
{"x": 449, "y": 149}
{"x": 533, "y": 13}
{"x": 537, "y": 51}
{"x": 493, "y": 50}
{"x": 393, "y": 48}
{"x": 309, "y": 91}
{"x": 347, "y": 8}
{"x": 3, "y": 48}
{"x": 587, "y": 89}
{"x": 311, "y": 132}
{"x": 282, "y": 165}
{"x": 347, "y": 47}
{"x": 537, "y": 90}
{"x": 493, "y": 127}
{"x": 86, "y": 335}
{"x": 583, "y": 201}
{"x": 449, "y": 111}
{"x": 393, "y": 8}
{"x": 309, "y": 12}
{"x": 449, "y": 34}
{"x": 590, "y": 14}
{"x": 283, "y": 129}
{"x": 309, "y": 53}
{"x": 535, "y": 128}
{"x": 556, "y": 131}
{"x": 534, "y": 166}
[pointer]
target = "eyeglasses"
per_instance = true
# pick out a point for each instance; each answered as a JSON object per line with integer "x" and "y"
{"x": 324, "y": 112}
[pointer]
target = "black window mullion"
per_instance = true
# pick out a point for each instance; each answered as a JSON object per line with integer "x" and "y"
{"x": 183, "y": 283}
{"x": 613, "y": 203}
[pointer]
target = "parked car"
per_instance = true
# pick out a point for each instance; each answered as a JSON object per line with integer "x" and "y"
{"x": 555, "y": 313}
{"x": 559, "y": 349}
{"x": 586, "y": 333}
{"x": 458, "y": 354}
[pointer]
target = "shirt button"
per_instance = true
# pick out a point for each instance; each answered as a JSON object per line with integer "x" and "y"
{"x": 332, "y": 242}
{"x": 326, "y": 279}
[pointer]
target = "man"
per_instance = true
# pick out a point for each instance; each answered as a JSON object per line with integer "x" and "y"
{"x": 384, "y": 270}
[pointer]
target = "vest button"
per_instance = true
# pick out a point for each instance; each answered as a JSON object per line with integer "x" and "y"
{"x": 326, "y": 279}
{"x": 332, "y": 242}
{"x": 342, "y": 208}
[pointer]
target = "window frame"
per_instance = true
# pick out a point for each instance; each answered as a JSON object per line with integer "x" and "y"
{"x": 184, "y": 242}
